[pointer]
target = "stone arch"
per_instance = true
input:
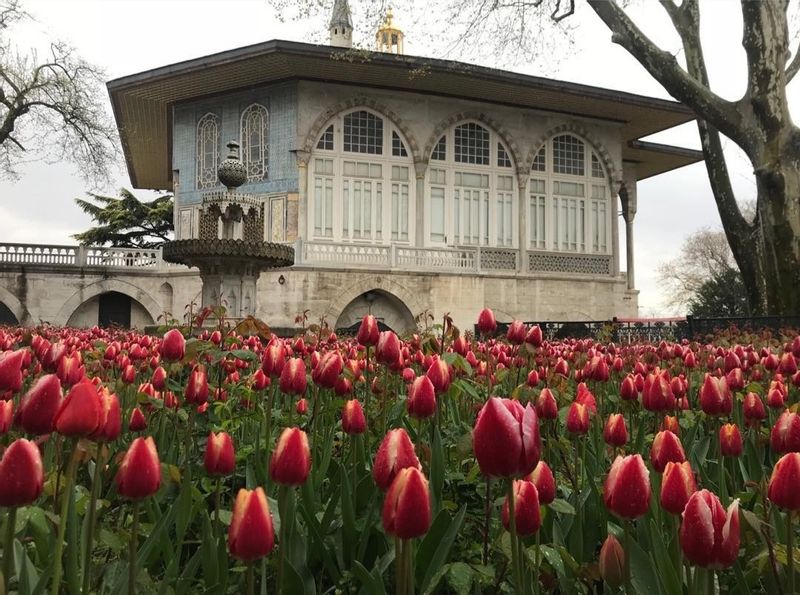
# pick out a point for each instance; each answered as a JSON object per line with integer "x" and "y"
{"x": 366, "y": 283}
{"x": 106, "y": 285}
{"x": 166, "y": 294}
{"x": 360, "y": 101}
{"x": 10, "y": 301}
{"x": 386, "y": 307}
{"x": 496, "y": 127}
{"x": 574, "y": 128}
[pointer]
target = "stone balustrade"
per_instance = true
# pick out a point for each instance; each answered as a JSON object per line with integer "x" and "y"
{"x": 45, "y": 255}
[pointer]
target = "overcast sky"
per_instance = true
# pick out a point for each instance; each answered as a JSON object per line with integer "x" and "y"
{"x": 129, "y": 36}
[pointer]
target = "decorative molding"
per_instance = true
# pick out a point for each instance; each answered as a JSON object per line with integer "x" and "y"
{"x": 612, "y": 171}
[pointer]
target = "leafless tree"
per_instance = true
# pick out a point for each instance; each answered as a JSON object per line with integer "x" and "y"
{"x": 766, "y": 248}
{"x": 52, "y": 106}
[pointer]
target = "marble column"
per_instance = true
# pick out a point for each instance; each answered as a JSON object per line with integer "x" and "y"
{"x": 420, "y": 168}
{"x": 627, "y": 195}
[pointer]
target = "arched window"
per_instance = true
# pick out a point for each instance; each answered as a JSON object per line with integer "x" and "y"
{"x": 361, "y": 181}
{"x": 254, "y": 137}
{"x": 471, "y": 189}
{"x": 207, "y": 151}
{"x": 568, "y": 198}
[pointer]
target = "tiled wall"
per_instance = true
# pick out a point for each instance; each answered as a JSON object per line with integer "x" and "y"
{"x": 280, "y": 101}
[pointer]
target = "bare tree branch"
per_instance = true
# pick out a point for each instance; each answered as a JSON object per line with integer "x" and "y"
{"x": 793, "y": 66}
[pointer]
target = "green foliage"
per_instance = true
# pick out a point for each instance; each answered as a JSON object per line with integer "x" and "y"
{"x": 722, "y": 295}
{"x": 126, "y": 221}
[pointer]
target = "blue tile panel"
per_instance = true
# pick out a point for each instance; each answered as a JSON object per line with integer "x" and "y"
{"x": 280, "y": 101}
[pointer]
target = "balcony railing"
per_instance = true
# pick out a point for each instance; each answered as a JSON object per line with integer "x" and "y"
{"x": 82, "y": 256}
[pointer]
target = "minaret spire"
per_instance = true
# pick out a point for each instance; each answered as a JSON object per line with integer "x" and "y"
{"x": 341, "y": 25}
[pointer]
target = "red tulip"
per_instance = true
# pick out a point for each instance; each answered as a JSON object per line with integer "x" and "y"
{"x": 38, "y": 408}
{"x": 715, "y": 397}
{"x": 615, "y": 432}
{"x": 343, "y": 386}
{"x": 159, "y": 378}
{"x": 776, "y": 398}
{"x": 110, "y": 417}
{"x": 353, "y": 421}
{"x": 626, "y": 492}
{"x": 301, "y": 407}
{"x": 439, "y": 375}
{"x": 515, "y": 334}
{"x": 527, "y": 515}
{"x": 787, "y": 365}
{"x": 627, "y": 389}
{"x": 173, "y": 346}
{"x": 137, "y": 422}
{"x": 612, "y": 562}
{"x": 387, "y": 350}
{"x": 79, "y": 413}
{"x": 677, "y": 486}
{"x": 368, "y": 332}
{"x": 578, "y": 419}
{"x": 533, "y": 379}
{"x": 11, "y": 370}
{"x": 506, "y": 439}
{"x": 128, "y": 375}
{"x": 546, "y": 405}
{"x": 753, "y": 409}
{"x": 407, "y": 506}
{"x": 293, "y": 377}
{"x": 657, "y": 394}
{"x": 666, "y": 448}
{"x": 421, "y": 402}
{"x": 70, "y": 369}
{"x": 730, "y": 440}
{"x": 291, "y": 459}
{"x": 21, "y": 474}
{"x": 486, "y": 322}
{"x": 327, "y": 371}
{"x": 783, "y": 485}
{"x": 709, "y": 534}
{"x": 273, "y": 360}
{"x": 542, "y": 477}
{"x": 139, "y": 474}
{"x": 396, "y": 452}
{"x": 251, "y": 534}
{"x": 6, "y": 416}
{"x": 785, "y": 436}
{"x": 219, "y": 458}
{"x": 196, "y": 392}
{"x": 534, "y": 336}
{"x": 670, "y": 424}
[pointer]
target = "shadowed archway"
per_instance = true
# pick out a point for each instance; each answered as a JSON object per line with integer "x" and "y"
{"x": 390, "y": 311}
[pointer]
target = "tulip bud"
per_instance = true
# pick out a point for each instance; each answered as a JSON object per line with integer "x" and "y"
{"x": 368, "y": 332}
{"x": 137, "y": 422}
{"x": 546, "y": 406}
{"x": 421, "y": 402}
{"x": 542, "y": 477}
{"x": 407, "y": 505}
{"x": 159, "y": 378}
{"x": 439, "y": 375}
{"x": 128, "y": 375}
{"x": 396, "y": 452}
{"x": 291, "y": 459}
{"x": 516, "y": 332}
{"x": 6, "y": 416}
{"x": 11, "y": 370}
{"x": 506, "y": 438}
{"x": 666, "y": 448}
{"x": 487, "y": 324}
{"x": 783, "y": 485}
{"x": 219, "y": 458}
{"x": 38, "y": 408}
{"x": 301, "y": 407}
{"x": 173, "y": 346}
{"x": 293, "y": 377}
{"x": 353, "y": 421}
{"x": 79, "y": 413}
{"x": 715, "y": 397}
{"x": 709, "y": 535}
{"x": 615, "y": 432}
{"x": 730, "y": 440}
{"x": 110, "y": 418}
{"x": 21, "y": 474}
{"x": 216, "y": 338}
{"x": 251, "y": 534}
{"x": 527, "y": 515}
{"x": 785, "y": 435}
{"x": 627, "y": 389}
{"x": 196, "y": 392}
{"x": 273, "y": 360}
{"x": 626, "y": 492}
{"x": 343, "y": 386}
{"x": 139, "y": 474}
{"x": 534, "y": 336}
{"x": 70, "y": 369}
{"x": 327, "y": 371}
{"x": 578, "y": 419}
{"x": 677, "y": 486}
{"x": 387, "y": 350}
{"x": 612, "y": 562}
{"x": 787, "y": 365}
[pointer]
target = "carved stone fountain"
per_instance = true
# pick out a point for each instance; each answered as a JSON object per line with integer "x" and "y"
{"x": 230, "y": 250}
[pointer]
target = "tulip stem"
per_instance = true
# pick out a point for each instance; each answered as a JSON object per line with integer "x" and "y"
{"x": 132, "y": 548}
{"x": 721, "y": 462}
{"x": 627, "y": 538}
{"x": 790, "y": 550}
{"x": 90, "y": 521}
{"x": 67, "y": 495}
{"x": 487, "y": 521}
{"x": 8, "y": 547}
{"x": 250, "y": 578}
{"x": 399, "y": 564}
{"x": 512, "y": 527}
{"x": 217, "y": 524}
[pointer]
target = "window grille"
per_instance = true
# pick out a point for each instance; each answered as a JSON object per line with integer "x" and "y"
{"x": 255, "y": 141}
{"x": 326, "y": 140}
{"x": 471, "y": 144}
{"x": 568, "y": 155}
{"x": 398, "y": 148}
{"x": 363, "y": 133}
{"x": 440, "y": 150}
{"x": 503, "y": 159}
{"x": 207, "y": 151}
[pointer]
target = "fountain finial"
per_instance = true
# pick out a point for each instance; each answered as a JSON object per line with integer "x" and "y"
{"x": 232, "y": 172}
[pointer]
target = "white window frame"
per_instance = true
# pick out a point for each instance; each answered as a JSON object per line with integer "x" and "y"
{"x": 258, "y": 169}
{"x": 392, "y": 190}
{"x": 206, "y": 173}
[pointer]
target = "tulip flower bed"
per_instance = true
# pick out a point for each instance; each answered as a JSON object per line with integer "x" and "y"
{"x": 440, "y": 464}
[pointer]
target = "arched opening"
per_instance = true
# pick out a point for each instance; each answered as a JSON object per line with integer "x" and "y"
{"x": 7, "y": 316}
{"x": 110, "y": 308}
{"x": 165, "y": 292}
{"x": 390, "y": 311}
